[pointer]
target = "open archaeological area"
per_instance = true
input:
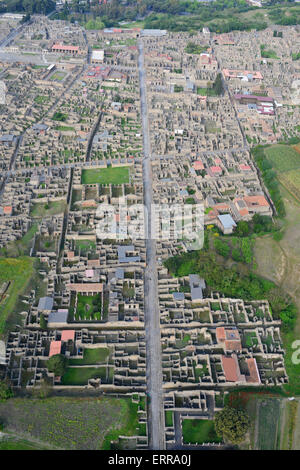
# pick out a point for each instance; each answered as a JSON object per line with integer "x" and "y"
{"x": 126, "y": 342}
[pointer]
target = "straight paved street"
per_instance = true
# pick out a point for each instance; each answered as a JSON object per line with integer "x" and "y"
{"x": 152, "y": 324}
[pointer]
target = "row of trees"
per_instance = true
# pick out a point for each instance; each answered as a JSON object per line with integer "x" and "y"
{"x": 174, "y": 15}
{"x": 28, "y": 6}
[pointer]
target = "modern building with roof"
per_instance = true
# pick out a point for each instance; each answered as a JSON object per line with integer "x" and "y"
{"x": 45, "y": 304}
{"x": 197, "y": 284}
{"x": 59, "y": 318}
{"x": 125, "y": 254}
{"x": 226, "y": 223}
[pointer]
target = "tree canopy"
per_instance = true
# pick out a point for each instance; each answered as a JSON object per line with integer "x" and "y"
{"x": 232, "y": 424}
{"x": 57, "y": 364}
{"x": 5, "y": 391}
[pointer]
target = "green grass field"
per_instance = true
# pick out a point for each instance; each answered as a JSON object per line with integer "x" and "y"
{"x": 199, "y": 431}
{"x": 290, "y": 422}
{"x": 283, "y": 157}
{"x": 279, "y": 261}
{"x": 42, "y": 99}
{"x": 18, "y": 272}
{"x": 88, "y": 307}
{"x": 291, "y": 181}
{"x": 64, "y": 128}
{"x": 71, "y": 423}
{"x": 84, "y": 246}
{"x": 13, "y": 443}
{"x": 91, "y": 356}
{"x": 118, "y": 175}
{"x": 81, "y": 375}
{"x": 44, "y": 210}
{"x": 169, "y": 418}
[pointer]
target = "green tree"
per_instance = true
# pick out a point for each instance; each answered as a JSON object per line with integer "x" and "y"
{"x": 232, "y": 424}
{"x": 5, "y": 391}
{"x": 242, "y": 228}
{"x": 57, "y": 364}
{"x": 218, "y": 85}
{"x": 222, "y": 248}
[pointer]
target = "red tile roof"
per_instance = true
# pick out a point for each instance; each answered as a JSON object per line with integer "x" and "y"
{"x": 7, "y": 209}
{"x": 66, "y": 335}
{"x": 256, "y": 201}
{"x": 253, "y": 370}
{"x": 198, "y": 165}
{"x": 64, "y": 47}
{"x": 220, "y": 333}
{"x": 231, "y": 368}
{"x": 55, "y": 348}
{"x": 86, "y": 287}
{"x": 216, "y": 169}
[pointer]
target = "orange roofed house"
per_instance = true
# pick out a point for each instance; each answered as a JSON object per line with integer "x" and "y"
{"x": 66, "y": 49}
{"x": 250, "y": 205}
{"x": 231, "y": 369}
{"x": 258, "y": 205}
{"x": 55, "y": 348}
{"x": 233, "y": 374}
{"x": 229, "y": 338}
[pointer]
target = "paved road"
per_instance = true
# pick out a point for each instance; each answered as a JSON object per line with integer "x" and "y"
{"x": 152, "y": 325}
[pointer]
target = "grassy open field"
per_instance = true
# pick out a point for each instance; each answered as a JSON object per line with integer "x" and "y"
{"x": 268, "y": 424}
{"x": 291, "y": 181}
{"x": 169, "y": 418}
{"x": 44, "y": 210}
{"x": 199, "y": 431}
{"x": 279, "y": 261}
{"x": 288, "y": 424}
{"x": 91, "y": 356}
{"x": 283, "y": 157}
{"x": 118, "y": 175}
{"x": 18, "y": 272}
{"x": 11, "y": 442}
{"x": 42, "y": 99}
{"x": 81, "y": 375}
{"x": 88, "y": 307}
{"x": 275, "y": 421}
{"x": 71, "y": 423}
{"x": 84, "y": 246}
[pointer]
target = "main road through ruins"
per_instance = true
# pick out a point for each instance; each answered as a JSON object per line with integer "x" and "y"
{"x": 152, "y": 323}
